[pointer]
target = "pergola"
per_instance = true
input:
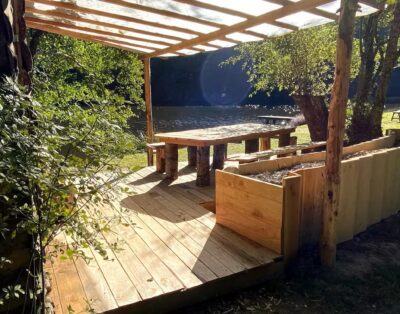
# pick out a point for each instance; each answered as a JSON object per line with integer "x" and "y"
{"x": 155, "y": 28}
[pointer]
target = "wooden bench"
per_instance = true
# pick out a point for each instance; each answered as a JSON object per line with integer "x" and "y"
{"x": 159, "y": 150}
{"x": 280, "y": 152}
{"x": 394, "y": 114}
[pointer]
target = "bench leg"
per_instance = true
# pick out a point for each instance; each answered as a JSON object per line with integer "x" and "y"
{"x": 218, "y": 156}
{"x": 203, "y": 166}
{"x": 251, "y": 146}
{"x": 171, "y": 161}
{"x": 265, "y": 143}
{"x": 160, "y": 160}
{"x": 192, "y": 156}
{"x": 284, "y": 139}
{"x": 150, "y": 160}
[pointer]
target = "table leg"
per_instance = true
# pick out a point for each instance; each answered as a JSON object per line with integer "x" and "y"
{"x": 171, "y": 161}
{"x": 284, "y": 139}
{"x": 251, "y": 146}
{"x": 218, "y": 156}
{"x": 265, "y": 143}
{"x": 203, "y": 166}
{"x": 192, "y": 156}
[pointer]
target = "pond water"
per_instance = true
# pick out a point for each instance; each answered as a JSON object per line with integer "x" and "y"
{"x": 194, "y": 117}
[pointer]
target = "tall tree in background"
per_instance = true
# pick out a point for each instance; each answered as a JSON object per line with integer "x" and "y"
{"x": 300, "y": 63}
{"x": 378, "y": 35}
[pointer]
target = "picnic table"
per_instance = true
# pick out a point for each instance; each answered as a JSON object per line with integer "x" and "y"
{"x": 199, "y": 141}
{"x": 280, "y": 120}
{"x": 396, "y": 115}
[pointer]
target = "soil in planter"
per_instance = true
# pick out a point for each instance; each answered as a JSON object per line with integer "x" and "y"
{"x": 276, "y": 177}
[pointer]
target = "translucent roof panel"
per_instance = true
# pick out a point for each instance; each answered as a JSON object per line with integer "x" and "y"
{"x": 180, "y": 27}
{"x": 304, "y": 19}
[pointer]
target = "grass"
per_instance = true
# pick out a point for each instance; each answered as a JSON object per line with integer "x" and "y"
{"x": 303, "y": 136}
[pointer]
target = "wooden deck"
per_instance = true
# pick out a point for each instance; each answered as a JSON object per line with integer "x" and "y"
{"x": 170, "y": 254}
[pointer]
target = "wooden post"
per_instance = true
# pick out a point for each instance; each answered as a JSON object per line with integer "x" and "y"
{"x": 284, "y": 139}
{"x": 171, "y": 161}
{"x": 265, "y": 143}
{"x": 192, "y": 156}
{"x": 203, "y": 166}
{"x": 149, "y": 109}
{"x": 336, "y": 125}
{"x": 218, "y": 156}
{"x": 251, "y": 146}
{"x": 160, "y": 159}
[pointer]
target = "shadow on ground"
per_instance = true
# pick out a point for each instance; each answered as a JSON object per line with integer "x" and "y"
{"x": 366, "y": 280}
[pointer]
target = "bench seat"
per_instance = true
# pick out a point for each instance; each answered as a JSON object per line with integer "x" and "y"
{"x": 281, "y": 151}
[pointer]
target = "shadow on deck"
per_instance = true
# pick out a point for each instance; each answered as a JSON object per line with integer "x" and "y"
{"x": 171, "y": 253}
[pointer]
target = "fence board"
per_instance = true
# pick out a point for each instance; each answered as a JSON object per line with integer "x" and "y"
{"x": 364, "y": 193}
{"x": 377, "y": 186}
{"x": 348, "y": 200}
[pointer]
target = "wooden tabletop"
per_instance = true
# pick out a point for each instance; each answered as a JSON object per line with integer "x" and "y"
{"x": 223, "y": 134}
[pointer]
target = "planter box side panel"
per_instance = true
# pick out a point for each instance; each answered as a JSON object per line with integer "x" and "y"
{"x": 251, "y": 208}
{"x": 287, "y": 162}
{"x": 312, "y": 202}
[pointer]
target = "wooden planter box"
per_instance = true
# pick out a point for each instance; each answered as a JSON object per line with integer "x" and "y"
{"x": 286, "y": 217}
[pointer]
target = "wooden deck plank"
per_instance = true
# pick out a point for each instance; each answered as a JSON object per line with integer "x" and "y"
{"x": 193, "y": 211}
{"x": 170, "y": 252}
{"x": 197, "y": 249}
{"x": 202, "y": 234}
{"x": 163, "y": 251}
{"x": 123, "y": 289}
{"x": 95, "y": 285}
{"x": 71, "y": 292}
{"x": 154, "y": 268}
{"x": 54, "y": 294}
{"x": 132, "y": 266}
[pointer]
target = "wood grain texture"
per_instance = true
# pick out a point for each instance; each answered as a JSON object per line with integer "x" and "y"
{"x": 223, "y": 134}
{"x": 251, "y": 208}
{"x": 169, "y": 247}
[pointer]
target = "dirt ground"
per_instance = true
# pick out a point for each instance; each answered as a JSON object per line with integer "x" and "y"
{"x": 365, "y": 280}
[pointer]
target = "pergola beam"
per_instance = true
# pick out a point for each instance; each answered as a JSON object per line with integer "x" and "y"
{"x": 30, "y": 19}
{"x": 171, "y": 14}
{"x": 264, "y": 18}
{"x": 216, "y": 8}
{"x": 97, "y": 39}
{"x": 314, "y": 11}
{"x": 75, "y": 18}
{"x": 76, "y": 8}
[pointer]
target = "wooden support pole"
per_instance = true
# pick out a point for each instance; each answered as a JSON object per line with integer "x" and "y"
{"x": 192, "y": 156}
{"x": 160, "y": 159}
{"x": 218, "y": 156}
{"x": 171, "y": 161}
{"x": 336, "y": 126}
{"x": 203, "y": 166}
{"x": 251, "y": 146}
{"x": 265, "y": 143}
{"x": 149, "y": 109}
{"x": 284, "y": 139}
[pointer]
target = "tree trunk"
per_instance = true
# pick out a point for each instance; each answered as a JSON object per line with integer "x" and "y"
{"x": 389, "y": 62}
{"x": 315, "y": 112}
{"x": 336, "y": 126}
{"x": 8, "y": 64}
{"x": 360, "y": 127}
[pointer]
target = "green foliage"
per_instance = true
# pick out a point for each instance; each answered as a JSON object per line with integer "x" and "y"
{"x": 300, "y": 62}
{"x": 55, "y": 162}
{"x": 69, "y": 70}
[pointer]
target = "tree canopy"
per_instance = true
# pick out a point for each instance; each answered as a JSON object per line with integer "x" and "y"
{"x": 300, "y": 62}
